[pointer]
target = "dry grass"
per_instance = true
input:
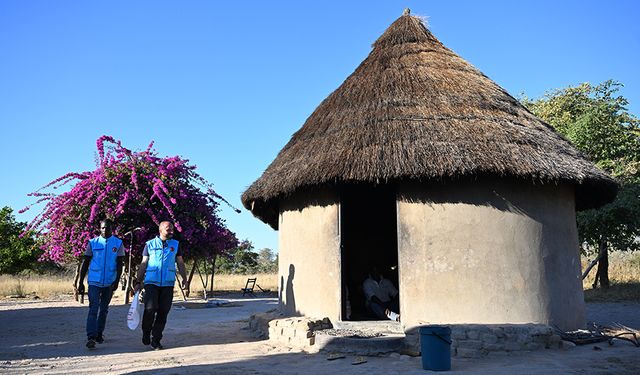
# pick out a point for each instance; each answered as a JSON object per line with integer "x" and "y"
{"x": 624, "y": 274}
{"x": 41, "y": 286}
{"x": 51, "y": 286}
{"x": 235, "y": 282}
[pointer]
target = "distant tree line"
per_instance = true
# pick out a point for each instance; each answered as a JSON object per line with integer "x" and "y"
{"x": 18, "y": 252}
{"x": 244, "y": 260}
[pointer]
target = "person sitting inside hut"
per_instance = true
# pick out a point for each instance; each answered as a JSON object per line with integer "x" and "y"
{"x": 381, "y": 296}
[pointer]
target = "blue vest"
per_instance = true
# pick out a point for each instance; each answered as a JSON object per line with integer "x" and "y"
{"x": 103, "y": 266}
{"x": 161, "y": 267}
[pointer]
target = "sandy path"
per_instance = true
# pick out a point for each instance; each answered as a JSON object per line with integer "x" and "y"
{"x": 48, "y": 337}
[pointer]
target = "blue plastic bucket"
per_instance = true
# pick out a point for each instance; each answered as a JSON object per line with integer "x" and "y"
{"x": 435, "y": 344}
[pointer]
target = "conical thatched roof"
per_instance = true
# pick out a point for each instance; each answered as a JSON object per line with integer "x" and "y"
{"x": 414, "y": 109}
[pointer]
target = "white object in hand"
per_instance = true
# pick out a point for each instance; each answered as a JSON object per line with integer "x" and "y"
{"x": 133, "y": 316}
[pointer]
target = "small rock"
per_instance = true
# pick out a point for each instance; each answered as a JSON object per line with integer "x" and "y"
{"x": 564, "y": 344}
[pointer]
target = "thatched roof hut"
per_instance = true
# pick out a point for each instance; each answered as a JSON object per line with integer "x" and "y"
{"x": 421, "y": 164}
{"x": 416, "y": 110}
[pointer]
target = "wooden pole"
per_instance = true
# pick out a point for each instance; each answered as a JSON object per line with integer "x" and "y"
{"x": 190, "y": 278}
{"x": 602, "y": 274}
{"x": 213, "y": 271}
{"x": 204, "y": 283}
{"x": 590, "y": 266}
{"x": 75, "y": 280}
{"x": 128, "y": 286}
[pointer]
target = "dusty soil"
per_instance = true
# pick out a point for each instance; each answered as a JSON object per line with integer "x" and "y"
{"x": 48, "y": 337}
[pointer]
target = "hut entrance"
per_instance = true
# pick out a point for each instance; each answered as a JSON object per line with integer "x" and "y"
{"x": 368, "y": 234}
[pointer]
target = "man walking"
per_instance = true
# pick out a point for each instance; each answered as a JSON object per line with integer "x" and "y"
{"x": 103, "y": 258}
{"x": 158, "y": 273}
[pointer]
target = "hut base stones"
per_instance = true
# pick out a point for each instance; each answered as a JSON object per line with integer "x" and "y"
{"x": 383, "y": 338}
{"x": 422, "y": 166}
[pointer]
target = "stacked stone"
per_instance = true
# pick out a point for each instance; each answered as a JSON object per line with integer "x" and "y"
{"x": 259, "y": 323}
{"x": 297, "y": 332}
{"x": 477, "y": 340}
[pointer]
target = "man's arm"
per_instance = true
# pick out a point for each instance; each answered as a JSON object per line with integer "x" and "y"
{"x": 142, "y": 269}
{"x": 83, "y": 272}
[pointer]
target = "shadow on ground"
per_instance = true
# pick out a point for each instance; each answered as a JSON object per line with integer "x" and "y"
{"x": 50, "y": 332}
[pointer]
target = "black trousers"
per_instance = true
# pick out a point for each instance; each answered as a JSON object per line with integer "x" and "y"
{"x": 157, "y": 304}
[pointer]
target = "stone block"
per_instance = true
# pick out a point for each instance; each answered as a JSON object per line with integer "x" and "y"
{"x": 524, "y": 338}
{"x": 470, "y": 344}
{"x": 553, "y": 341}
{"x": 473, "y": 334}
{"x": 499, "y": 332}
{"x": 512, "y": 346}
{"x": 454, "y": 343}
{"x": 533, "y": 346}
{"x": 458, "y": 333}
{"x": 541, "y": 331}
{"x": 566, "y": 345}
{"x": 489, "y": 338}
{"x": 469, "y": 353}
{"x": 498, "y": 347}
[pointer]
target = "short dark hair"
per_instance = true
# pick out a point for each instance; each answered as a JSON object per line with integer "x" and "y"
{"x": 107, "y": 221}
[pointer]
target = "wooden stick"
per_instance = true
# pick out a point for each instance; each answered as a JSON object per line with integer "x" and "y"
{"x": 193, "y": 270}
{"x": 590, "y": 266}
{"x": 213, "y": 271}
{"x": 204, "y": 283}
{"x": 75, "y": 281}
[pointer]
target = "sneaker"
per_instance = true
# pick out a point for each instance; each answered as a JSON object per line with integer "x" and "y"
{"x": 99, "y": 339}
{"x": 91, "y": 343}
{"x": 146, "y": 338}
{"x": 155, "y": 344}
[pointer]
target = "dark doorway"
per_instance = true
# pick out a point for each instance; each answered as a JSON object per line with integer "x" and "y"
{"x": 368, "y": 235}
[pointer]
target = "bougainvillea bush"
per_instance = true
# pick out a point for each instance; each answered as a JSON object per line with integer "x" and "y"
{"x": 135, "y": 189}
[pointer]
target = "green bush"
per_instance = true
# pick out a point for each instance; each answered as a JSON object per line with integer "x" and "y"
{"x": 16, "y": 253}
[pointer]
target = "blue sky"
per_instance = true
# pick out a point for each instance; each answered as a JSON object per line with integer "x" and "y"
{"x": 226, "y": 84}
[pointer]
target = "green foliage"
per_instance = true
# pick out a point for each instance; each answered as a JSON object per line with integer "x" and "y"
{"x": 267, "y": 261}
{"x": 596, "y": 121}
{"x": 16, "y": 253}
{"x": 244, "y": 260}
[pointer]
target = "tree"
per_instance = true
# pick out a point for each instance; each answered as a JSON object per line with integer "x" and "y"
{"x": 267, "y": 261}
{"x": 135, "y": 189}
{"x": 17, "y": 253}
{"x": 595, "y": 119}
{"x": 241, "y": 260}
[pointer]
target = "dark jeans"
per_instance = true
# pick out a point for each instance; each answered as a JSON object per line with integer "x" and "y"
{"x": 378, "y": 309}
{"x": 99, "y": 299}
{"x": 157, "y": 304}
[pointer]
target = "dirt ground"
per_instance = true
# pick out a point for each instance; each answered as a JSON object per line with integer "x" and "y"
{"x": 48, "y": 337}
